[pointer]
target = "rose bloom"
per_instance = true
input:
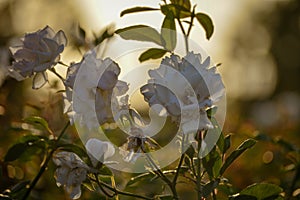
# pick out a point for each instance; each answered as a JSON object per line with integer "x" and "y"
{"x": 185, "y": 87}
{"x": 71, "y": 172}
{"x": 90, "y": 100}
{"x": 39, "y": 51}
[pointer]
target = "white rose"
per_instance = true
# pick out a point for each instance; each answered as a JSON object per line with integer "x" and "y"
{"x": 71, "y": 172}
{"x": 39, "y": 51}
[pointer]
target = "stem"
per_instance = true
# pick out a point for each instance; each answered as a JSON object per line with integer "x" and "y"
{"x": 180, "y": 161}
{"x": 101, "y": 188}
{"x": 178, "y": 169}
{"x": 116, "y": 191}
{"x": 185, "y": 35}
{"x": 171, "y": 185}
{"x": 191, "y": 23}
{"x": 44, "y": 164}
{"x": 199, "y": 188}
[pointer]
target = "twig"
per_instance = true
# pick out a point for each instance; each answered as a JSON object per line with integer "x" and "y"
{"x": 185, "y": 35}
{"x": 117, "y": 191}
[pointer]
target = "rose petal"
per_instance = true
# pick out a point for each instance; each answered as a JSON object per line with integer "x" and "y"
{"x": 61, "y": 175}
{"x": 47, "y": 32}
{"x": 75, "y": 192}
{"x": 99, "y": 150}
{"x": 39, "y": 80}
{"x": 60, "y": 38}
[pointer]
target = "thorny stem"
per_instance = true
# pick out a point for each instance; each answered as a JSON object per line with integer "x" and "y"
{"x": 117, "y": 191}
{"x": 45, "y": 164}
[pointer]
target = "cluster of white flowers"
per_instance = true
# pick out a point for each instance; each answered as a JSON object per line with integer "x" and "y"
{"x": 185, "y": 87}
{"x": 71, "y": 172}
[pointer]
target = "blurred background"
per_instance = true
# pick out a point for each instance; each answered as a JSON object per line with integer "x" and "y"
{"x": 257, "y": 42}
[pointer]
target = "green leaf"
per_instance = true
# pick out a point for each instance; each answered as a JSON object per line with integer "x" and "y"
{"x": 212, "y": 163}
{"x": 218, "y": 132}
{"x": 38, "y": 122}
{"x": 140, "y": 33}
{"x": 209, "y": 187}
{"x": 184, "y": 3}
{"x": 15, "y": 152}
{"x": 211, "y": 111}
{"x": 177, "y": 10}
{"x": 26, "y": 146}
{"x": 168, "y": 32}
{"x": 227, "y": 143}
{"x": 236, "y": 153}
{"x": 137, "y": 9}
{"x": 227, "y": 188}
{"x": 153, "y": 53}
{"x": 262, "y": 190}
{"x": 206, "y": 23}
